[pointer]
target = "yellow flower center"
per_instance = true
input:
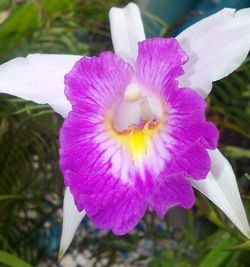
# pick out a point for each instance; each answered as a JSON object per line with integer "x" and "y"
{"x": 135, "y": 119}
{"x": 137, "y": 141}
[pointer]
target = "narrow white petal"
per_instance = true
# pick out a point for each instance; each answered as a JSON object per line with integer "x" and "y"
{"x": 71, "y": 220}
{"x": 221, "y": 188}
{"x": 216, "y": 46}
{"x": 39, "y": 78}
{"x": 126, "y": 31}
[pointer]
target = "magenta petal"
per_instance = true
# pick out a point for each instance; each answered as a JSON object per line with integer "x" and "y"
{"x": 109, "y": 203}
{"x": 94, "y": 83}
{"x": 170, "y": 192}
{"x": 186, "y": 133}
{"x": 92, "y": 87}
{"x": 159, "y": 62}
{"x": 195, "y": 161}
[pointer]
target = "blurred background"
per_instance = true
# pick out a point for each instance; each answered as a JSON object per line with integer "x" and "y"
{"x": 31, "y": 185}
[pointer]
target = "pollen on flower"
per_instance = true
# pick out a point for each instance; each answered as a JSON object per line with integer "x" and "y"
{"x": 135, "y": 109}
{"x": 135, "y": 119}
{"x": 138, "y": 140}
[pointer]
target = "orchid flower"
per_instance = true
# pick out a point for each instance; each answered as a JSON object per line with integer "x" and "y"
{"x": 135, "y": 136}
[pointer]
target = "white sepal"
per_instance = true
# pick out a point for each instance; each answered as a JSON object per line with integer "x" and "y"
{"x": 221, "y": 188}
{"x": 71, "y": 220}
{"x": 126, "y": 31}
{"x": 216, "y": 46}
{"x": 39, "y": 78}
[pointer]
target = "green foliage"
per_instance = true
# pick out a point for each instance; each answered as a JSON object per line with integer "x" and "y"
{"x": 219, "y": 253}
{"x": 31, "y": 185}
{"x": 12, "y": 261}
{"x": 230, "y": 101}
{"x": 29, "y": 173}
{"x": 56, "y": 26}
{"x": 167, "y": 259}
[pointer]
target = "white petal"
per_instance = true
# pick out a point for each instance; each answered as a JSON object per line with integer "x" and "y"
{"x": 126, "y": 31}
{"x": 39, "y": 78}
{"x": 216, "y": 46}
{"x": 221, "y": 188}
{"x": 71, "y": 220}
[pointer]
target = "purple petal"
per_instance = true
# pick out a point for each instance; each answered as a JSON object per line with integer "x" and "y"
{"x": 186, "y": 134}
{"x": 170, "y": 192}
{"x": 110, "y": 203}
{"x": 92, "y": 87}
{"x": 159, "y": 62}
{"x": 95, "y": 82}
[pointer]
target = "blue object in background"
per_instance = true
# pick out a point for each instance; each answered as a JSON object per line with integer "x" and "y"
{"x": 171, "y": 11}
{"x": 208, "y": 7}
{"x": 168, "y": 11}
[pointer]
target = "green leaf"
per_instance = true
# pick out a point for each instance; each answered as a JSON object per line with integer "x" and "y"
{"x": 166, "y": 258}
{"x": 244, "y": 246}
{"x": 4, "y": 4}
{"x": 237, "y": 152}
{"x": 10, "y": 197}
{"x": 56, "y": 6}
{"x": 219, "y": 253}
{"x": 11, "y": 260}
{"x": 161, "y": 262}
{"x": 18, "y": 26}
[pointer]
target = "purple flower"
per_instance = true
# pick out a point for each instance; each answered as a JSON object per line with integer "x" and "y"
{"x": 135, "y": 137}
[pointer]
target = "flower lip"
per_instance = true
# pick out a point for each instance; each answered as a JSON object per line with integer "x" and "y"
{"x": 137, "y": 110}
